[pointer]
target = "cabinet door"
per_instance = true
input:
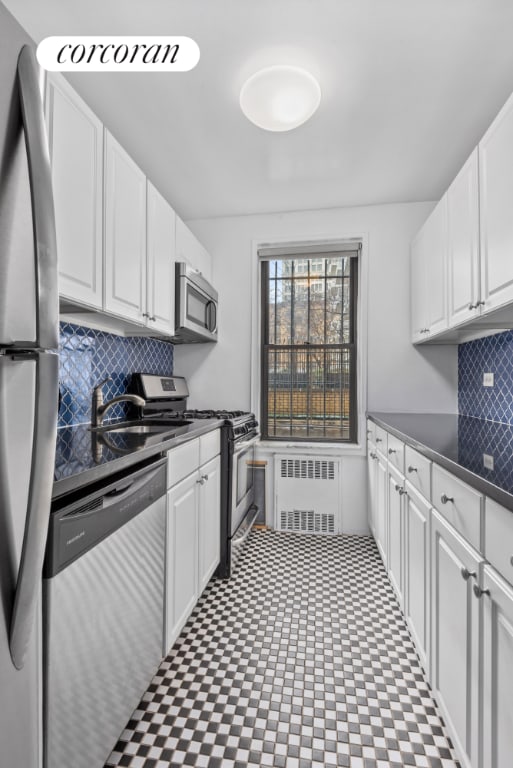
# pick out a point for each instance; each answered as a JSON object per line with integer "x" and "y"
{"x": 381, "y": 508}
{"x": 189, "y": 249}
{"x": 372, "y": 466}
{"x": 396, "y": 493}
{"x": 419, "y": 313}
{"x": 455, "y": 634}
{"x": 436, "y": 266}
{"x": 125, "y": 233}
{"x": 463, "y": 243}
{"x": 497, "y": 670}
{"x": 75, "y": 138}
{"x": 160, "y": 303}
{"x": 416, "y": 569}
{"x": 209, "y": 520}
{"x": 181, "y": 556}
{"x": 496, "y": 210}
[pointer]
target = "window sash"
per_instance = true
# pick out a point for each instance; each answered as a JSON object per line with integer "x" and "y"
{"x": 311, "y": 390}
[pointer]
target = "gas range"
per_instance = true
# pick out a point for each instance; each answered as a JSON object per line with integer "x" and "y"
{"x": 166, "y": 397}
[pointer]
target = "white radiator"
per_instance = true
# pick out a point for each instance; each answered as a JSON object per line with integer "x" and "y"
{"x": 307, "y": 494}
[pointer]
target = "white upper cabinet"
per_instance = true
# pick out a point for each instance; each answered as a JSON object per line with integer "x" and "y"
{"x": 125, "y": 233}
{"x": 161, "y": 224}
{"x": 496, "y": 207}
{"x": 76, "y": 148}
{"x": 189, "y": 249}
{"x": 428, "y": 276}
{"x": 463, "y": 243}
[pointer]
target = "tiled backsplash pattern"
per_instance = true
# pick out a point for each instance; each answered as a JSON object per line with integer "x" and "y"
{"x": 86, "y": 357}
{"x": 493, "y": 354}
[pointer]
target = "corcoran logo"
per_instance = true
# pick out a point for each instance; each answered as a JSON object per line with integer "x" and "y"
{"x": 118, "y": 54}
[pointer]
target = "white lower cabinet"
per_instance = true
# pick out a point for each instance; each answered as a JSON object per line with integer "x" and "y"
{"x": 209, "y": 521}
{"x": 181, "y": 556}
{"x": 372, "y": 459}
{"x": 496, "y": 597}
{"x": 396, "y": 493}
{"x": 381, "y": 522}
{"x": 416, "y": 569}
{"x": 193, "y": 529}
{"x": 455, "y": 567}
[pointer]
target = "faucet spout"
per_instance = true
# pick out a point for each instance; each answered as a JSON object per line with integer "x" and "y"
{"x": 100, "y": 408}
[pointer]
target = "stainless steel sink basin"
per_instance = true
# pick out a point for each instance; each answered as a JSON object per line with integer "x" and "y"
{"x": 138, "y": 429}
{"x": 143, "y": 427}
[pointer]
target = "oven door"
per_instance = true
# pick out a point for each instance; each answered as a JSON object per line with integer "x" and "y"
{"x": 243, "y": 476}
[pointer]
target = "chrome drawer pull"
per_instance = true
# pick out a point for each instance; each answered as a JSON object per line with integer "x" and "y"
{"x": 466, "y": 574}
{"x": 444, "y": 499}
{"x": 373, "y": 455}
{"x": 392, "y": 450}
{"x": 479, "y": 591}
{"x": 412, "y": 469}
{"x": 379, "y": 440}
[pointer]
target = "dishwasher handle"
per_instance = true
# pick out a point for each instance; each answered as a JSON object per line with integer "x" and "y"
{"x": 119, "y": 494}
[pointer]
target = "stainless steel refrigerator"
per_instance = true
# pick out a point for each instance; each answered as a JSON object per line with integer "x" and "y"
{"x": 28, "y": 389}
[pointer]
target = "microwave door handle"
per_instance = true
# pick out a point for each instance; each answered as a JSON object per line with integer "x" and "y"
{"x": 43, "y": 214}
{"x": 211, "y": 316}
{"x": 28, "y": 584}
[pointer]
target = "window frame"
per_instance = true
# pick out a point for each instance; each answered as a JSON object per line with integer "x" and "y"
{"x": 352, "y": 346}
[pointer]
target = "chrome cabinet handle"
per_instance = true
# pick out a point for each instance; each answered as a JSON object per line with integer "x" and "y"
{"x": 373, "y": 455}
{"x": 466, "y": 574}
{"x": 153, "y": 319}
{"x": 472, "y": 306}
{"x": 479, "y": 591}
{"x": 200, "y": 481}
{"x": 146, "y": 314}
{"x": 444, "y": 499}
{"x": 204, "y": 477}
{"x": 379, "y": 439}
{"x": 412, "y": 469}
{"x": 400, "y": 489}
{"x": 392, "y": 450}
{"x": 511, "y": 560}
{"x": 397, "y": 486}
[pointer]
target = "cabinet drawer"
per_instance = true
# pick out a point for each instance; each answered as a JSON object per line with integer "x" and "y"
{"x": 498, "y": 545}
{"x": 209, "y": 446}
{"x": 395, "y": 453}
{"x": 380, "y": 437}
{"x": 371, "y": 431}
{"x": 417, "y": 470}
{"x": 181, "y": 461}
{"x": 459, "y": 504}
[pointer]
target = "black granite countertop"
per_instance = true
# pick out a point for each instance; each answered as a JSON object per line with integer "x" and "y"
{"x": 459, "y": 443}
{"x": 84, "y": 457}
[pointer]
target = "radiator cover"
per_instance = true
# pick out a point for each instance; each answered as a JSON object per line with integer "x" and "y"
{"x": 307, "y": 494}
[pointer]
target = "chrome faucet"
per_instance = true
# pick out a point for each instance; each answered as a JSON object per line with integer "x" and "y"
{"x": 99, "y": 407}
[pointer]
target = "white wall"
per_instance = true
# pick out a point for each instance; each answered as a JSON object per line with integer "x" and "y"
{"x": 400, "y": 377}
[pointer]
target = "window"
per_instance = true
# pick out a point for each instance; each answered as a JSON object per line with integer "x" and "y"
{"x": 308, "y": 354}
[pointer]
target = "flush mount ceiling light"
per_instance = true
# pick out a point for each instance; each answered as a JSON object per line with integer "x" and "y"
{"x": 280, "y": 98}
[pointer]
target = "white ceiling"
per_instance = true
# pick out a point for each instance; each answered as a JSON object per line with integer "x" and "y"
{"x": 408, "y": 88}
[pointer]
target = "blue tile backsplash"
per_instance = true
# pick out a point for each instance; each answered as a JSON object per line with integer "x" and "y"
{"x": 493, "y": 354}
{"x": 87, "y": 356}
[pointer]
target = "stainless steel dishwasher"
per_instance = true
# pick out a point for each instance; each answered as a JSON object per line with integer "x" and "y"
{"x": 103, "y": 598}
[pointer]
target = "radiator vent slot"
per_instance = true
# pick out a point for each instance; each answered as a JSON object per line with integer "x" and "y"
{"x": 306, "y": 521}
{"x": 308, "y": 469}
{"x": 307, "y": 494}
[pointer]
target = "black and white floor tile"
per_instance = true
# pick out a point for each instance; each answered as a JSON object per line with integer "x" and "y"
{"x": 301, "y": 660}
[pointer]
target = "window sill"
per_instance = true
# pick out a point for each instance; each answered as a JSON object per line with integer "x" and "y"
{"x": 319, "y": 449}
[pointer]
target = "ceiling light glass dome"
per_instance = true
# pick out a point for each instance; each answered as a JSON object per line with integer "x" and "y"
{"x": 280, "y": 98}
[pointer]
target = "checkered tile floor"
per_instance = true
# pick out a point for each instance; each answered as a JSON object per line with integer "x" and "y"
{"x": 301, "y": 660}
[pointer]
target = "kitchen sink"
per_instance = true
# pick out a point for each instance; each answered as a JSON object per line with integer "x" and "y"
{"x": 143, "y": 427}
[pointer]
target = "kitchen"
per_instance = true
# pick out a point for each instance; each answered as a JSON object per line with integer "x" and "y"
{"x": 359, "y": 187}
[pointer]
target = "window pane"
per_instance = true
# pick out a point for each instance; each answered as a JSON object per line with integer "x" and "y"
{"x": 308, "y": 355}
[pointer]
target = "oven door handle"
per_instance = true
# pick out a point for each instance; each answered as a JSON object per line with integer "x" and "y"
{"x": 245, "y": 444}
{"x": 236, "y": 541}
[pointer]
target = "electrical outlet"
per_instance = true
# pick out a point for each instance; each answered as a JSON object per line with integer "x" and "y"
{"x": 488, "y": 379}
{"x": 487, "y": 461}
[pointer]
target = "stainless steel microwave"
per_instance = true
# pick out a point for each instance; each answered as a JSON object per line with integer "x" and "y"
{"x": 196, "y": 304}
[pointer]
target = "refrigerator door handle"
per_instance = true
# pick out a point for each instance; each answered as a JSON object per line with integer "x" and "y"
{"x": 43, "y": 213}
{"x": 38, "y": 508}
